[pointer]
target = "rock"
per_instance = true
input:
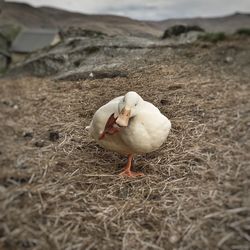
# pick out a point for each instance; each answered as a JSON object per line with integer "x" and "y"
{"x": 2, "y": 189}
{"x": 174, "y": 238}
{"x": 164, "y": 102}
{"x": 28, "y": 134}
{"x": 86, "y": 58}
{"x": 9, "y": 31}
{"x": 53, "y": 136}
{"x": 21, "y": 163}
{"x": 4, "y": 43}
{"x": 39, "y": 143}
{"x": 7, "y": 34}
{"x": 228, "y": 59}
{"x": 8, "y": 103}
{"x": 177, "y": 30}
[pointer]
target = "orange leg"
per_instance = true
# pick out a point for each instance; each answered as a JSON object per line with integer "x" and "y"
{"x": 127, "y": 169}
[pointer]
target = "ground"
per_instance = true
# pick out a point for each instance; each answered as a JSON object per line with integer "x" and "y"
{"x": 59, "y": 190}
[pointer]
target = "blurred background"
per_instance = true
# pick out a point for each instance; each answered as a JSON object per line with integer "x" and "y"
{"x": 28, "y": 26}
{"x": 149, "y": 9}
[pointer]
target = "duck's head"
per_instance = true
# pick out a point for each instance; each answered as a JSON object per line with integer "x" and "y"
{"x": 128, "y": 108}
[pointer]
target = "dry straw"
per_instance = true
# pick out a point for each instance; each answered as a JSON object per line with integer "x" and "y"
{"x": 65, "y": 194}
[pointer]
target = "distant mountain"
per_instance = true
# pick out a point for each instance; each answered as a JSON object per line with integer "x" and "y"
{"x": 44, "y": 17}
{"x": 27, "y": 16}
{"x": 227, "y": 24}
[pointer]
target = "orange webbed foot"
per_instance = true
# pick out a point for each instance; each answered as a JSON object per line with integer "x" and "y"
{"x": 127, "y": 173}
{"x": 127, "y": 170}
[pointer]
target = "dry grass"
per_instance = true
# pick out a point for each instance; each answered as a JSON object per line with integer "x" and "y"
{"x": 66, "y": 194}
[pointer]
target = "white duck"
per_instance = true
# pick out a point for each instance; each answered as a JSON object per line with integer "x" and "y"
{"x": 129, "y": 125}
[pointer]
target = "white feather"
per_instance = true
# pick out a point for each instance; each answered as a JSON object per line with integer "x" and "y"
{"x": 147, "y": 130}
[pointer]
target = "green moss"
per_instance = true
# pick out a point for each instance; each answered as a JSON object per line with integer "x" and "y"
{"x": 177, "y": 30}
{"x": 243, "y": 32}
{"x": 212, "y": 37}
{"x": 3, "y": 71}
{"x": 10, "y": 31}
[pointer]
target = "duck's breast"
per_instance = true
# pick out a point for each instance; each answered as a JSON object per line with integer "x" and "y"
{"x": 147, "y": 131}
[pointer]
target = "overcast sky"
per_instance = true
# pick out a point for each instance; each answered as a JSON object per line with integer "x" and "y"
{"x": 149, "y": 9}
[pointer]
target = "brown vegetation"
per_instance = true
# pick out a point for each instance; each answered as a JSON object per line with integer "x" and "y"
{"x": 59, "y": 190}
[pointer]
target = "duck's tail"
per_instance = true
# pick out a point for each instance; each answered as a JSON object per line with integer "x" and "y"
{"x": 88, "y": 127}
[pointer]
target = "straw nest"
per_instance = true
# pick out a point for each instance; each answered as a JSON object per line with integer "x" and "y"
{"x": 59, "y": 190}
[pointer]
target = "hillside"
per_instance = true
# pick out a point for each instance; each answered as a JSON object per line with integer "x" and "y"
{"x": 227, "y": 24}
{"x": 54, "y": 18}
{"x": 21, "y": 14}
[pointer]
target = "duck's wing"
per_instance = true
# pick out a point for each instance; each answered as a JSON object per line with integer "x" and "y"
{"x": 102, "y": 115}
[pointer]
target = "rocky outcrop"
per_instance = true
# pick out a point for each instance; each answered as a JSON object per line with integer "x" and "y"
{"x": 82, "y": 57}
{"x": 177, "y": 30}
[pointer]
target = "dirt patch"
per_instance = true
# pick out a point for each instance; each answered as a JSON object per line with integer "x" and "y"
{"x": 65, "y": 194}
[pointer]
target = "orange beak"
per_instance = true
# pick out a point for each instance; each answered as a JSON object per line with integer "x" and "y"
{"x": 123, "y": 118}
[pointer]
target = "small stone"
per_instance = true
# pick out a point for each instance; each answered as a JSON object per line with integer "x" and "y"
{"x": 2, "y": 189}
{"x": 28, "y": 134}
{"x": 174, "y": 238}
{"x": 164, "y": 102}
{"x": 39, "y": 144}
{"x": 53, "y": 135}
{"x": 21, "y": 163}
{"x": 8, "y": 103}
{"x": 228, "y": 59}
